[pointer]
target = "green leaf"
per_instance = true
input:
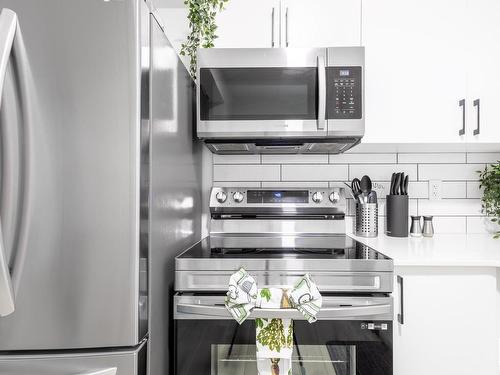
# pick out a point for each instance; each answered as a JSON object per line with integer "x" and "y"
{"x": 265, "y": 293}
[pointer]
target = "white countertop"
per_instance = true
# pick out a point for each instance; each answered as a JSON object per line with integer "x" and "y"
{"x": 458, "y": 250}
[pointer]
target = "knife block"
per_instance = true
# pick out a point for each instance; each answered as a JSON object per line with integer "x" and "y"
{"x": 396, "y": 216}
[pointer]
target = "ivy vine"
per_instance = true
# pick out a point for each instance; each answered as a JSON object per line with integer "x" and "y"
{"x": 202, "y": 27}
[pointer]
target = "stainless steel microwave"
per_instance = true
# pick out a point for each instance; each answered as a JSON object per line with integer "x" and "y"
{"x": 272, "y": 100}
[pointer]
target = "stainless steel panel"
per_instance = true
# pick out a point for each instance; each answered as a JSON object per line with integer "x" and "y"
{"x": 355, "y": 282}
{"x": 79, "y": 282}
{"x": 348, "y": 56}
{"x": 175, "y": 192}
{"x": 284, "y": 227}
{"x": 333, "y": 308}
{"x": 120, "y": 362}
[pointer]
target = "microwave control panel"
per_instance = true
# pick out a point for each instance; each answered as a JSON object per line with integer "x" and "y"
{"x": 344, "y": 92}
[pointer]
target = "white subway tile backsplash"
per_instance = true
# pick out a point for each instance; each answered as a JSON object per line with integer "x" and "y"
{"x": 236, "y": 172}
{"x": 418, "y": 189}
{"x": 231, "y": 184}
{"x": 314, "y": 172}
{"x": 291, "y": 184}
{"x": 454, "y": 189}
{"x": 381, "y": 172}
{"x": 450, "y": 207}
{"x": 295, "y": 159}
{"x": 473, "y": 190}
{"x": 458, "y": 172}
{"x": 480, "y": 225}
{"x": 236, "y": 159}
{"x": 459, "y": 210}
{"x": 363, "y": 159}
{"x": 481, "y": 157}
{"x": 434, "y": 158}
{"x": 450, "y": 224}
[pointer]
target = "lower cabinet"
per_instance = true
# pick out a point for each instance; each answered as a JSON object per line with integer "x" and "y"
{"x": 450, "y": 321}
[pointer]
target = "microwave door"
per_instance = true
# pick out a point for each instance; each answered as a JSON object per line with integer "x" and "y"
{"x": 262, "y": 102}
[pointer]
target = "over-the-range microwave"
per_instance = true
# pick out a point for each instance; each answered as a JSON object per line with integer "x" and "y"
{"x": 280, "y": 100}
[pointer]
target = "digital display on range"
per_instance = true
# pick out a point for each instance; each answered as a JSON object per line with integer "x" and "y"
{"x": 278, "y": 196}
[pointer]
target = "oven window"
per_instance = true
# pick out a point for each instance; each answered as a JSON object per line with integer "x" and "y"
{"x": 258, "y": 94}
{"x": 222, "y": 347}
{"x": 306, "y": 359}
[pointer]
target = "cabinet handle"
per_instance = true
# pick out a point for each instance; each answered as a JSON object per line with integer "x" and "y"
{"x": 401, "y": 315}
{"x": 272, "y": 27}
{"x": 286, "y": 27}
{"x": 477, "y": 104}
{"x": 461, "y": 103}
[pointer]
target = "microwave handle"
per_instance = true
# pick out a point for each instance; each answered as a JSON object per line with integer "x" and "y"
{"x": 321, "y": 93}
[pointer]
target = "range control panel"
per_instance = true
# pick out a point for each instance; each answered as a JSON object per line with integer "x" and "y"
{"x": 344, "y": 92}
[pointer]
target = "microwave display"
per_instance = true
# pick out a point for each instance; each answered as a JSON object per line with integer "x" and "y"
{"x": 344, "y": 88}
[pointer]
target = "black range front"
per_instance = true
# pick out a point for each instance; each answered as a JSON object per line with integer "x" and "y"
{"x": 344, "y": 347}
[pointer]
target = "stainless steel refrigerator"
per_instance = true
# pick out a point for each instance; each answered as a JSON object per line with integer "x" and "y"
{"x": 99, "y": 186}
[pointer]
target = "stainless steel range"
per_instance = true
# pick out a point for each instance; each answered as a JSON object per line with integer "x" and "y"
{"x": 278, "y": 235}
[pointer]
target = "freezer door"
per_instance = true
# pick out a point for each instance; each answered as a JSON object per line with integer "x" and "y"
{"x": 123, "y": 362}
{"x": 69, "y": 183}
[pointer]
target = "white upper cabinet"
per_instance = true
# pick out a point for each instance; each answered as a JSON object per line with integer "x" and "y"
{"x": 321, "y": 23}
{"x": 289, "y": 23}
{"x": 248, "y": 24}
{"x": 483, "y": 74}
{"x": 415, "y": 70}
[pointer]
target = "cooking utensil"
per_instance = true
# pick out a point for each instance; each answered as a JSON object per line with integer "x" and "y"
{"x": 372, "y": 197}
{"x": 356, "y": 189}
{"x": 405, "y": 186}
{"x": 397, "y": 182}
{"x": 402, "y": 184}
{"x": 366, "y": 187}
{"x": 350, "y": 191}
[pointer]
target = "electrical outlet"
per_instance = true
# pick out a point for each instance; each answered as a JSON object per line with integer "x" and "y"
{"x": 435, "y": 190}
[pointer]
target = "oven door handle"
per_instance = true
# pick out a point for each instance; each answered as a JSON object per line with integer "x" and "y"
{"x": 344, "y": 312}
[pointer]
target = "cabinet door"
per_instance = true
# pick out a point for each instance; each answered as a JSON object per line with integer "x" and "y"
{"x": 450, "y": 322}
{"x": 248, "y": 24}
{"x": 321, "y": 23}
{"x": 484, "y": 70}
{"x": 415, "y": 70}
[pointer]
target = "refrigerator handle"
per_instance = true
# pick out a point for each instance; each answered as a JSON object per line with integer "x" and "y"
{"x": 8, "y": 25}
{"x": 108, "y": 371}
{"x": 11, "y": 42}
{"x": 321, "y": 93}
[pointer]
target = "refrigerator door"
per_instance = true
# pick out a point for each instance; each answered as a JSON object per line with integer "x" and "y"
{"x": 69, "y": 188}
{"x": 122, "y": 362}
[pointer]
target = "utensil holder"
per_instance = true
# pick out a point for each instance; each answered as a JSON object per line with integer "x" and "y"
{"x": 366, "y": 222}
{"x": 396, "y": 217}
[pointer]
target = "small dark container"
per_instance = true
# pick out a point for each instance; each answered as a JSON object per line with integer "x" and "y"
{"x": 396, "y": 216}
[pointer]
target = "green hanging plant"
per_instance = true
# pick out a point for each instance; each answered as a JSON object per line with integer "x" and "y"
{"x": 202, "y": 27}
{"x": 489, "y": 181}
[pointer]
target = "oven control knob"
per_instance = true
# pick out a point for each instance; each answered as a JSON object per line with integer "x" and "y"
{"x": 221, "y": 196}
{"x": 317, "y": 197}
{"x": 238, "y": 197}
{"x": 334, "y": 197}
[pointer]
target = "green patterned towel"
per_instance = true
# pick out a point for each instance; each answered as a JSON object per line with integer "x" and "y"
{"x": 274, "y": 337}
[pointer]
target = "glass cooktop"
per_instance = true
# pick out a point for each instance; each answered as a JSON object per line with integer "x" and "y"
{"x": 339, "y": 247}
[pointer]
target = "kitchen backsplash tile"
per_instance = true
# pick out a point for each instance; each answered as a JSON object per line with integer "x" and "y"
{"x": 482, "y": 157}
{"x": 295, "y": 159}
{"x": 382, "y": 172}
{"x": 458, "y": 211}
{"x": 459, "y": 172}
{"x": 431, "y": 158}
{"x": 246, "y": 172}
{"x": 314, "y": 172}
{"x": 363, "y": 159}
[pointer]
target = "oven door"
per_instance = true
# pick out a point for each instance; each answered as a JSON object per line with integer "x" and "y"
{"x": 353, "y": 336}
{"x": 261, "y": 93}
